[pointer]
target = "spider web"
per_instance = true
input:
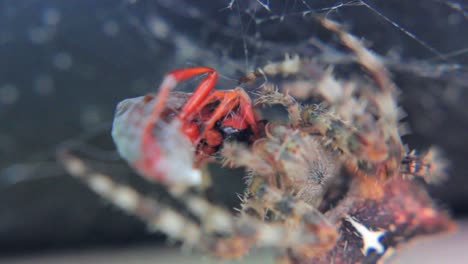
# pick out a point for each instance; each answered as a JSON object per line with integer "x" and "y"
{"x": 233, "y": 36}
{"x": 334, "y": 11}
{"x": 247, "y": 34}
{"x": 74, "y": 69}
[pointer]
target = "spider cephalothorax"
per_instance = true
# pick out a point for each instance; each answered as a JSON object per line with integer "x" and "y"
{"x": 289, "y": 159}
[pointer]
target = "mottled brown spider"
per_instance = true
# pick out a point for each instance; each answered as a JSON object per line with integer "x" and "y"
{"x": 333, "y": 184}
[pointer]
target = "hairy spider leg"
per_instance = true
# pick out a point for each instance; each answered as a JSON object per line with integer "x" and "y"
{"x": 240, "y": 233}
{"x": 387, "y": 107}
{"x": 295, "y": 212}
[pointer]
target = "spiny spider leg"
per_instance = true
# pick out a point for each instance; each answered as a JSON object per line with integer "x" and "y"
{"x": 430, "y": 166}
{"x": 269, "y": 95}
{"x": 372, "y": 141}
{"x": 295, "y": 212}
{"x": 220, "y": 233}
{"x": 317, "y": 119}
{"x": 157, "y": 216}
{"x": 286, "y": 158}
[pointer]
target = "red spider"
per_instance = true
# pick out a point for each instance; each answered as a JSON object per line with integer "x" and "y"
{"x": 206, "y": 118}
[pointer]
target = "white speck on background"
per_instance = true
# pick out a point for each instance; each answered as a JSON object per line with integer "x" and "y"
{"x": 39, "y": 35}
{"x": 111, "y": 28}
{"x": 9, "y": 94}
{"x": 51, "y": 16}
{"x": 158, "y": 27}
{"x": 62, "y": 61}
{"x": 43, "y": 84}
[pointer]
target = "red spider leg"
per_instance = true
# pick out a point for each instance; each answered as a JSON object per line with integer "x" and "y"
{"x": 204, "y": 93}
{"x": 229, "y": 100}
{"x": 149, "y": 146}
{"x": 170, "y": 81}
{"x": 200, "y": 94}
{"x": 245, "y": 106}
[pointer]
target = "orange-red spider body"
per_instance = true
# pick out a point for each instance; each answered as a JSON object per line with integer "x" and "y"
{"x": 206, "y": 118}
